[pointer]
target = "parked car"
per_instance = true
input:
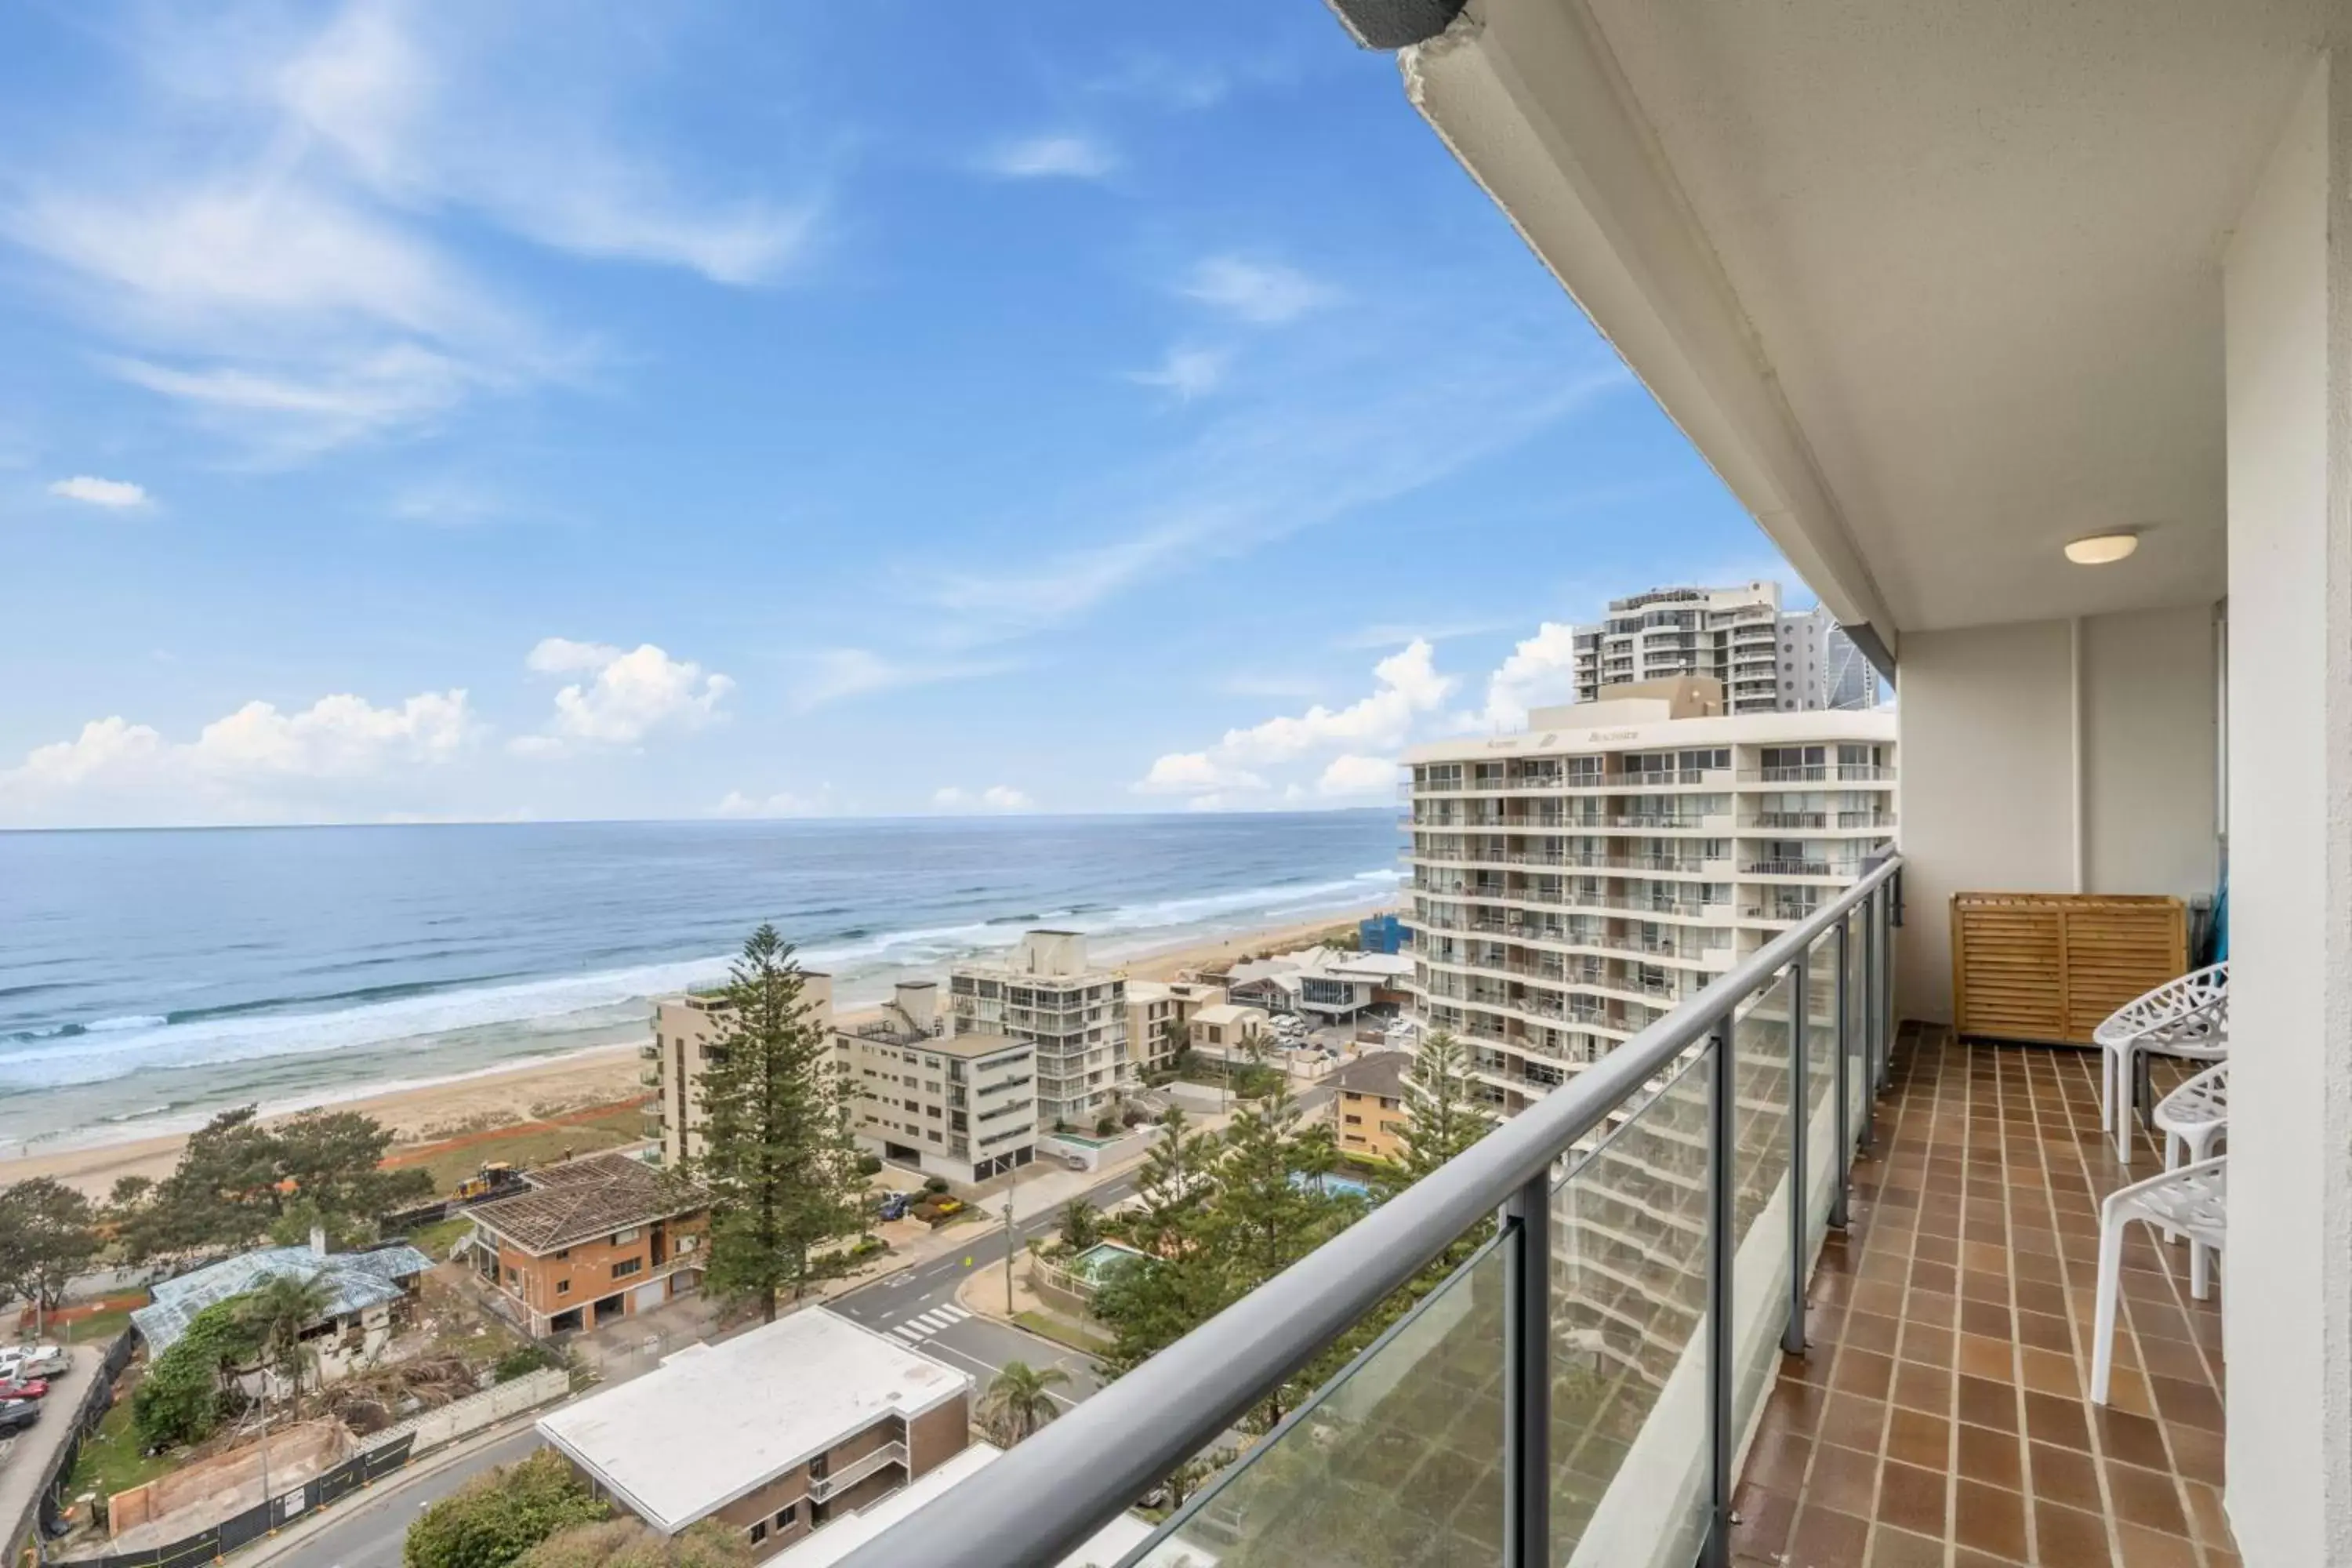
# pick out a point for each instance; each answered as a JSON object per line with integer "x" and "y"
{"x": 24, "y": 1388}
{"x": 33, "y": 1361}
{"x": 896, "y": 1206}
{"x": 16, "y": 1414}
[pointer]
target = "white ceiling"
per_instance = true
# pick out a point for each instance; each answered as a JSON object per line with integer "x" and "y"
{"x": 1977, "y": 248}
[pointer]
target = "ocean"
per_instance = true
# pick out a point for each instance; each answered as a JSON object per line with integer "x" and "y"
{"x": 150, "y": 977}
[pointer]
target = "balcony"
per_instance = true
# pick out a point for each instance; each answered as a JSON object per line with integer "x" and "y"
{"x": 1581, "y": 1379}
{"x": 1941, "y": 1403}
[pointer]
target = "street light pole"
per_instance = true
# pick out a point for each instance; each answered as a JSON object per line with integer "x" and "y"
{"x": 1008, "y": 1252}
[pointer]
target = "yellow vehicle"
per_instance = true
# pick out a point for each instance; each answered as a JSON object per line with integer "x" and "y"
{"x": 946, "y": 1206}
{"x": 486, "y": 1181}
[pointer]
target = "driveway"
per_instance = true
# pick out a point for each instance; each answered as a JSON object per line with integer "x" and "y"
{"x": 24, "y": 1457}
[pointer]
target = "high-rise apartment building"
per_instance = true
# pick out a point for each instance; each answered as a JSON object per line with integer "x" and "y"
{"x": 962, "y": 1106}
{"x": 1045, "y": 992}
{"x": 1573, "y": 882}
{"x": 1768, "y": 660}
{"x": 684, "y": 1028}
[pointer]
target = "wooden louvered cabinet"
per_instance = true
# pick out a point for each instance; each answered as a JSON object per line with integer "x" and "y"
{"x": 2051, "y": 966}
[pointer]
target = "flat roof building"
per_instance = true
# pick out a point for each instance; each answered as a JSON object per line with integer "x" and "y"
{"x": 773, "y": 1433}
{"x": 961, "y": 1107}
{"x": 1046, "y": 992}
{"x": 684, "y": 1027}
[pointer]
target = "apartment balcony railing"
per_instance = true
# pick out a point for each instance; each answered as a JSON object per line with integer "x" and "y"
{"x": 1787, "y": 913}
{"x": 1637, "y": 1245}
{"x": 1790, "y": 819}
{"x": 1866, "y": 819}
{"x": 1819, "y": 772}
{"x": 832, "y": 1483}
{"x": 651, "y": 1078}
{"x": 1796, "y": 868}
{"x": 649, "y": 1052}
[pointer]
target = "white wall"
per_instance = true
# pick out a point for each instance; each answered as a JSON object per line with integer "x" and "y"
{"x": 1989, "y": 766}
{"x": 2287, "y": 1319}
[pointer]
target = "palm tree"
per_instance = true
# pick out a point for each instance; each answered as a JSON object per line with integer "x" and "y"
{"x": 1175, "y": 1038}
{"x": 277, "y": 1311}
{"x": 1019, "y": 1400}
{"x": 1081, "y": 1224}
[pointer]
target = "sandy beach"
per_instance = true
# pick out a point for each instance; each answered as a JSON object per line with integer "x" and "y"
{"x": 530, "y": 1090}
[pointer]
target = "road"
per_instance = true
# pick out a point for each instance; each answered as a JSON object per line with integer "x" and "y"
{"x": 369, "y": 1533}
{"x": 916, "y": 1307}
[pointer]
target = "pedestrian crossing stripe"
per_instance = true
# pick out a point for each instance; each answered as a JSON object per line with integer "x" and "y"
{"x": 923, "y": 1325}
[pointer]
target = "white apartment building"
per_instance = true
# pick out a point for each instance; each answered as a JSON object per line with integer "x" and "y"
{"x": 1159, "y": 1018}
{"x": 1045, "y": 992}
{"x": 684, "y": 1027}
{"x": 1573, "y": 882}
{"x": 1767, "y": 659}
{"x": 962, "y": 1106}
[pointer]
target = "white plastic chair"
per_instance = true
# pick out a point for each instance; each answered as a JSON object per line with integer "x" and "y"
{"x": 2194, "y": 1116}
{"x": 2192, "y": 1200}
{"x": 2185, "y": 1017}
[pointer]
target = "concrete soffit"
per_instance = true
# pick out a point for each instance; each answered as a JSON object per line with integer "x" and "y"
{"x": 1527, "y": 96}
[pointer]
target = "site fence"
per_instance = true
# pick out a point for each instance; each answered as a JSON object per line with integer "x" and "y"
{"x": 271, "y": 1514}
{"x": 385, "y": 1454}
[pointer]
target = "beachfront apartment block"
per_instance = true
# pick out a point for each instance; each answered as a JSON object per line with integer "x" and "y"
{"x": 1046, "y": 992}
{"x": 1573, "y": 883}
{"x": 1160, "y": 1018}
{"x": 1767, "y": 659}
{"x": 684, "y": 1028}
{"x": 961, "y": 1107}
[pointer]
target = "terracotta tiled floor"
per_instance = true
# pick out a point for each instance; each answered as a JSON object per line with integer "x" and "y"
{"x": 1941, "y": 1417}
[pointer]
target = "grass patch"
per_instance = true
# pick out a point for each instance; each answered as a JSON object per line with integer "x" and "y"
{"x": 97, "y": 1329}
{"x": 1062, "y": 1332}
{"x": 109, "y": 1460}
{"x": 527, "y": 1145}
{"x": 435, "y": 1240}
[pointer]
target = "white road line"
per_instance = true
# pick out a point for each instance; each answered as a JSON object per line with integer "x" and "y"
{"x": 912, "y": 1339}
{"x": 956, "y": 1310}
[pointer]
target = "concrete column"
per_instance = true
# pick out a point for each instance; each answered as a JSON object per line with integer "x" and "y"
{"x": 2287, "y": 302}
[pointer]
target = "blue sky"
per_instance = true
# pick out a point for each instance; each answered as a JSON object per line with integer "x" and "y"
{"x": 419, "y": 411}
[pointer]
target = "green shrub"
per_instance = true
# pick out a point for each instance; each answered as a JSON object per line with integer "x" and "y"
{"x": 182, "y": 1399}
{"x": 935, "y": 1184}
{"x": 522, "y": 1361}
{"x": 625, "y": 1543}
{"x": 493, "y": 1520}
{"x": 869, "y": 1165}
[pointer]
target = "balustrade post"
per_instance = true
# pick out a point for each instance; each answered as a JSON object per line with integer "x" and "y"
{"x": 1527, "y": 1377}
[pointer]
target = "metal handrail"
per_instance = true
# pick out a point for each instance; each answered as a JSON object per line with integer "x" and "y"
{"x": 1047, "y": 1495}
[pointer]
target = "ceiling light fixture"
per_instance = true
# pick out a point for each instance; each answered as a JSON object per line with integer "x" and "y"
{"x": 2101, "y": 549}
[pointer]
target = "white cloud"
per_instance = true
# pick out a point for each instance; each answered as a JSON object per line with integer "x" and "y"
{"x": 1194, "y": 772}
{"x": 995, "y": 797}
{"x": 821, "y": 802}
{"x": 1265, "y": 293}
{"x": 1068, "y": 155}
{"x": 1541, "y": 670}
{"x": 1406, "y": 684}
{"x": 1407, "y": 688}
{"x": 629, "y": 695}
{"x": 281, "y": 275}
{"x": 837, "y": 674}
{"x": 253, "y": 763}
{"x": 113, "y": 494}
{"x": 1187, "y": 372}
{"x": 1351, "y": 773}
